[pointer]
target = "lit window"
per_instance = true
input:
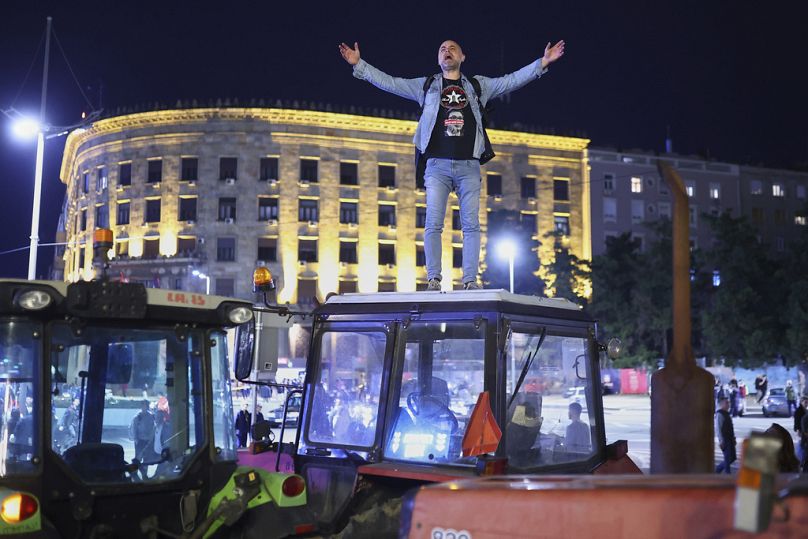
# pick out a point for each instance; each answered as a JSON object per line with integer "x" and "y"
{"x": 715, "y": 191}
{"x": 562, "y": 224}
{"x": 636, "y": 184}
{"x": 799, "y": 220}
{"x": 778, "y": 190}
{"x": 716, "y": 278}
{"x": 756, "y": 187}
{"x": 101, "y": 179}
{"x": 690, "y": 187}
{"x": 267, "y": 208}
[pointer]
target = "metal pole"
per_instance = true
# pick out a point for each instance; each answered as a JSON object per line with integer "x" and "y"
{"x": 40, "y": 156}
{"x": 207, "y": 285}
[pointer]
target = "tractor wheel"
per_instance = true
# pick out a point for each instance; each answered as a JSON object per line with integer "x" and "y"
{"x": 379, "y": 521}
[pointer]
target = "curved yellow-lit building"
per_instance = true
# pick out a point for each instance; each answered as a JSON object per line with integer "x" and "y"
{"x": 327, "y": 201}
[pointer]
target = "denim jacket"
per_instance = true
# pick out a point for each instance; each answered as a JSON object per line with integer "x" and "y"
{"x": 414, "y": 89}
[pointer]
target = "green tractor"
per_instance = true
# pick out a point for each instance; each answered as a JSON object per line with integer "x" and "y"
{"x": 116, "y": 418}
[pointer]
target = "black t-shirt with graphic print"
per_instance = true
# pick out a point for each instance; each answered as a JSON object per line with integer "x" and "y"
{"x": 455, "y": 127}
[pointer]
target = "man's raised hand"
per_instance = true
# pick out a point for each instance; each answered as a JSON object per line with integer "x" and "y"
{"x": 352, "y": 55}
{"x": 551, "y": 54}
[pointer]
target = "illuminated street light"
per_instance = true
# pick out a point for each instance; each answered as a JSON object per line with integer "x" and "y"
{"x": 25, "y": 128}
{"x": 197, "y": 273}
{"x": 506, "y": 248}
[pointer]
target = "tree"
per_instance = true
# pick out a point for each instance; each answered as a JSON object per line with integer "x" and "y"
{"x": 793, "y": 276}
{"x": 504, "y": 224}
{"x": 567, "y": 273}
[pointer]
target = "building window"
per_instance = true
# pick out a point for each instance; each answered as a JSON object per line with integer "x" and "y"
{"x": 420, "y": 257}
{"x": 228, "y": 168}
{"x": 101, "y": 217}
{"x": 122, "y": 248}
{"x": 151, "y": 248}
{"x": 155, "y": 171}
{"x": 799, "y": 220}
{"x": 456, "y": 224}
{"x": 85, "y": 182}
{"x": 267, "y": 208}
{"x": 609, "y": 210}
{"x": 226, "y": 249}
{"x": 308, "y": 170}
{"x": 664, "y": 210}
{"x": 122, "y": 217}
{"x": 528, "y": 187}
{"x": 715, "y": 191}
{"x": 83, "y": 220}
{"x": 347, "y": 287}
{"x": 756, "y": 187}
{"x": 779, "y": 216}
{"x": 347, "y": 212}
{"x": 227, "y": 209}
{"x": 637, "y": 211}
{"x": 457, "y": 257}
{"x": 306, "y": 291}
{"x": 494, "y": 184}
{"x": 561, "y": 189}
{"x": 562, "y": 224}
{"x": 267, "y": 249}
{"x": 528, "y": 221}
{"x": 420, "y": 216}
{"x": 387, "y": 286}
{"x": 188, "y": 209}
{"x": 387, "y": 176}
{"x": 269, "y": 169}
{"x": 757, "y": 216}
{"x": 387, "y": 253}
{"x": 152, "y": 210}
{"x": 347, "y": 252}
{"x": 308, "y": 210}
{"x": 186, "y": 246}
{"x": 348, "y": 173}
{"x": 636, "y": 184}
{"x": 225, "y": 287}
{"x": 125, "y": 174}
{"x": 780, "y": 244}
{"x": 608, "y": 182}
{"x": 694, "y": 216}
{"x": 690, "y": 188}
{"x": 778, "y": 190}
{"x": 307, "y": 250}
{"x": 189, "y": 168}
{"x": 387, "y": 215}
{"x": 801, "y": 192}
{"x": 101, "y": 179}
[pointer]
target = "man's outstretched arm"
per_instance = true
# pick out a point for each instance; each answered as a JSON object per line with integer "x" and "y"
{"x": 494, "y": 86}
{"x": 407, "y": 88}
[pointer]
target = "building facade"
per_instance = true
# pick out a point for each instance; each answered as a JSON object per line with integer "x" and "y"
{"x": 326, "y": 201}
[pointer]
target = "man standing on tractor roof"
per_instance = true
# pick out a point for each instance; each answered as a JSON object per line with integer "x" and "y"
{"x": 451, "y": 139}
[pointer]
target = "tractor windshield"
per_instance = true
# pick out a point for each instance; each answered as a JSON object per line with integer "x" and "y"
{"x": 551, "y": 418}
{"x": 127, "y": 402}
{"x": 20, "y": 358}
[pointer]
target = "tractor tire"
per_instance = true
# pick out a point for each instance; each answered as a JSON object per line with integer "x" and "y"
{"x": 380, "y": 521}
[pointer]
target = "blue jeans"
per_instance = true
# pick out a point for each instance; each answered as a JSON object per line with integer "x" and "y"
{"x": 441, "y": 177}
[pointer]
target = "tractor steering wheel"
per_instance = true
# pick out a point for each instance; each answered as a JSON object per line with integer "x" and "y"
{"x": 415, "y": 401}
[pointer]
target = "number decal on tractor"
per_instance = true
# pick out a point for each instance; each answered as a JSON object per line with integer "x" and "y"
{"x": 449, "y": 533}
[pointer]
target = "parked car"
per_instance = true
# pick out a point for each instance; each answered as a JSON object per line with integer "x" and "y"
{"x": 774, "y": 403}
{"x": 275, "y": 417}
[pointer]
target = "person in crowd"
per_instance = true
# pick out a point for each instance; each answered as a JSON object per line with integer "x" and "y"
{"x": 786, "y": 458}
{"x": 802, "y": 435}
{"x": 142, "y": 431}
{"x": 69, "y": 425}
{"x": 243, "y": 422}
{"x": 733, "y": 397}
{"x": 764, "y": 387}
{"x": 259, "y": 416}
{"x": 726, "y": 435}
{"x": 791, "y": 397}
{"x": 578, "y": 438}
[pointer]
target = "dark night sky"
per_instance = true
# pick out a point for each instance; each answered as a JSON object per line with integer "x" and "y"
{"x": 727, "y": 76}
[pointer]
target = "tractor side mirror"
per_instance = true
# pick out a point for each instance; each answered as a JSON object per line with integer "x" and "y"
{"x": 614, "y": 348}
{"x": 245, "y": 342}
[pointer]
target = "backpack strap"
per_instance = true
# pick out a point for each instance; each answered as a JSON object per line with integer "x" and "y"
{"x": 427, "y": 84}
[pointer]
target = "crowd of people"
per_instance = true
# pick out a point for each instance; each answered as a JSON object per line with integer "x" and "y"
{"x": 17, "y": 428}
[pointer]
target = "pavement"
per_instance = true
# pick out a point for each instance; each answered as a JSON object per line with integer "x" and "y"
{"x": 628, "y": 417}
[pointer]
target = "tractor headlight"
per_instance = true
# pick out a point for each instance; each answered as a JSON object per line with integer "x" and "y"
{"x": 34, "y": 300}
{"x": 240, "y": 315}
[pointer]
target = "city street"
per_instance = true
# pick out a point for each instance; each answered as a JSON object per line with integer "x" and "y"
{"x": 628, "y": 417}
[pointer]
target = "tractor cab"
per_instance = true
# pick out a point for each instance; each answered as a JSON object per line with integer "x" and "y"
{"x": 403, "y": 389}
{"x": 116, "y": 413}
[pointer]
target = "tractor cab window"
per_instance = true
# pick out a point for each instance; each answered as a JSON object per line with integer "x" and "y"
{"x": 127, "y": 402}
{"x": 345, "y": 400}
{"x": 440, "y": 380}
{"x": 224, "y": 432}
{"x": 20, "y": 345}
{"x": 549, "y": 419}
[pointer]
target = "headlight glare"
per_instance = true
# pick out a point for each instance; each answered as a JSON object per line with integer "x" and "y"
{"x": 34, "y": 300}
{"x": 240, "y": 315}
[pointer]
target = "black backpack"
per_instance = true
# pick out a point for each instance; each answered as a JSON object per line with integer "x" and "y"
{"x": 488, "y": 152}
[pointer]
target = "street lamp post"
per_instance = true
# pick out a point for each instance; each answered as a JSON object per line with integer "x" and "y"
{"x": 197, "y": 273}
{"x": 507, "y": 249}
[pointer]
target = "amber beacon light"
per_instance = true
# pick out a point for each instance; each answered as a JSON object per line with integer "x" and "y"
{"x": 262, "y": 280}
